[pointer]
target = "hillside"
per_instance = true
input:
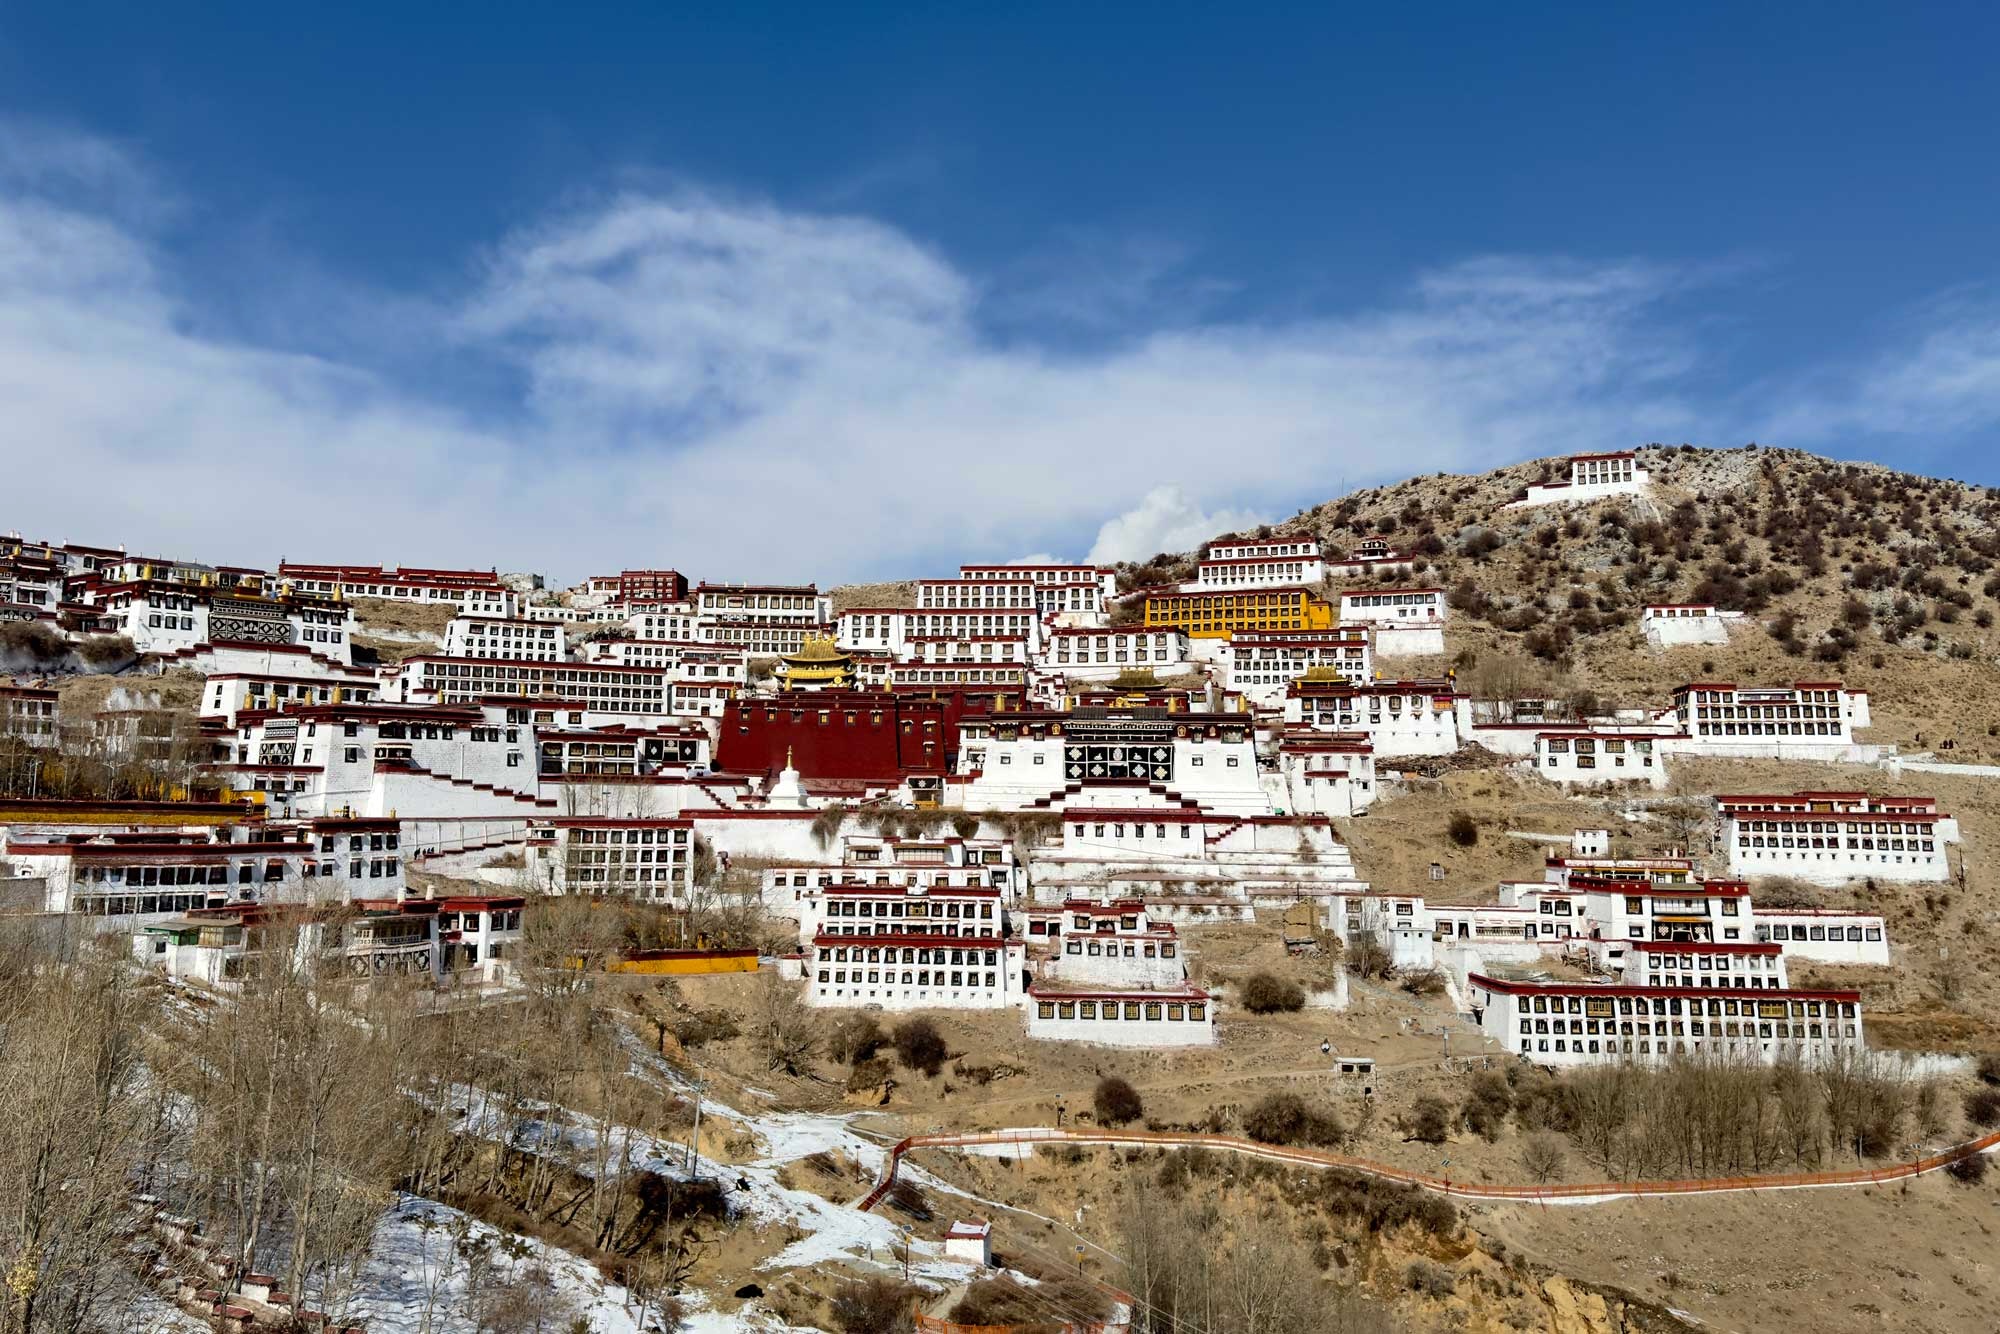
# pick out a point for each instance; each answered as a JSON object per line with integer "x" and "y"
{"x": 1842, "y": 569}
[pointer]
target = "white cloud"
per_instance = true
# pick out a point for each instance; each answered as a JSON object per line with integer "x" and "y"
{"x": 744, "y": 391}
{"x": 1165, "y": 520}
{"x": 1942, "y": 378}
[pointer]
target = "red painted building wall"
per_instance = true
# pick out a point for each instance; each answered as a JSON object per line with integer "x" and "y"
{"x": 855, "y": 734}
{"x": 652, "y": 586}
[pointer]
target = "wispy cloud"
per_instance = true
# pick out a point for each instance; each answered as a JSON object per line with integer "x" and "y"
{"x": 740, "y": 389}
{"x": 1942, "y": 377}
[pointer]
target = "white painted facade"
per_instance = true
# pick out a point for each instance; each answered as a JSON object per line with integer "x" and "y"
{"x": 1103, "y": 576}
{"x": 975, "y": 595}
{"x": 601, "y": 687}
{"x": 1825, "y": 935}
{"x": 1287, "y": 563}
{"x": 1100, "y": 757}
{"x": 1593, "y": 758}
{"x": 1263, "y": 663}
{"x": 678, "y": 621}
{"x": 913, "y": 948}
{"x": 504, "y": 637}
{"x": 1806, "y": 720}
{"x": 1673, "y": 625}
{"x": 1831, "y": 838}
{"x": 1327, "y": 774}
{"x": 163, "y": 619}
{"x": 1581, "y": 1024}
{"x": 890, "y": 629}
{"x": 1103, "y": 654}
{"x": 1591, "y": 477}
{"x": 1397, "y": 607}
{"x": 1398, "y": 717}
{"x": 651, "y": 860}
{"x": 1181, "y": 1018}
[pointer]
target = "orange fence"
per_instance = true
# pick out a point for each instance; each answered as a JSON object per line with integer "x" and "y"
{"x": 1443, "y": 1185}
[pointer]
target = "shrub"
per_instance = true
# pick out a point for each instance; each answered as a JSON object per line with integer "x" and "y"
{"x": 102, "y": 653}
{"x": 1424, "y": 982}
{"x": 1429, "y": 1279}
{"x": 1001, "y": 1301}
{"x": 919, "y": 1046}
{"x": 1982, "y": 1108}
{"x": 692, "y": 1030}
{"x": 1430, "y": 1120}
{"x": 32, "y": 644}
{"x": 1286, "y": 1118}
{"x": 871, "y": 1073}
{"x": 875, "y": 1306}
{"x": 1267, "y": 993}
{"x": 1487, "y": 1103}
{"x": 1989, "y": 1068}
{"x": 1463, "y": 829}
{"x": 1116, "y": 1102}
{"x": 854, "y": 1037}
{"x": 1368, "y": 957}
{"x": 1971, "y": 1169}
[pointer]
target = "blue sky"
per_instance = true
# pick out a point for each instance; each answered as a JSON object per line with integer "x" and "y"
{"x": 843, "y": 291}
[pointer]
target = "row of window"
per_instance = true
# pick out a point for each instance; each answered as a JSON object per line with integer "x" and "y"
{"x": 917, "y": 978}
{"x": 1604, "y": 1006}
{"x": 1760, "y": 843}
{"x": 910, "y": 908}
{"x": 1695, "y": 1028}
{"x": 1140, "y": 1011}
{"x": 1801, "y": 931}
{"x": 909, "y": 954}
{"x": 1111, "y": 949}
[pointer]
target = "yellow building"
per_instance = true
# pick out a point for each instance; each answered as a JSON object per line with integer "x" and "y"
{"x": 1214, "y": 615}
{"x": 818, "y": 665}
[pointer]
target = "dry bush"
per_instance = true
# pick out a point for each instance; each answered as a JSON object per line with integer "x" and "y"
{"x": 1369, "y": 958}
{"x": 1286, "y": 1118}
{"x": 1115, "y": 1102}
{"x": 1429, "y": 1121}
{"x": 1267, "y": 993}
{"x": 869, "y": 1074}
{"x": 919, "y": 1046}
{"x": 1428, "y": 1279}
{"x": 788, "y": 1031}
{"x": 1047, "y": 1308}
{"x": 1970, "y": 1170}
{"x": 1424, "y": 982}
{"x": 1982, "y": 1108}
{"x": 854, "y": 1037}
{"x": 876, "y": 1306}
{"x": 1463, "y": 829}
{"x": 1488, "y": 1100}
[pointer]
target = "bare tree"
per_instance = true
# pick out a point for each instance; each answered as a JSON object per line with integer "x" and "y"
{"x": 787, "y": 1030}
{"x": 1542, "y": 1156}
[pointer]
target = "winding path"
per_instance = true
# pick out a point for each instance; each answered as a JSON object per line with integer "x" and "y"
{"x": 1593, "y": 1193}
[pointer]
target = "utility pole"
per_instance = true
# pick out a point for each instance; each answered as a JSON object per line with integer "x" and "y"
{"x": 694, "y": 1136}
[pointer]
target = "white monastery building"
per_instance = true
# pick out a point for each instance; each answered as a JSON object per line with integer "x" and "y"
{"x": 1278, "y": 563}
{"x": 1672, "y": 624}
{"x": 1591, "y": 477}
{"x": 472, "y": 636}
{"x": 1834, "y": 837}
{"x": 1804, "y": 720}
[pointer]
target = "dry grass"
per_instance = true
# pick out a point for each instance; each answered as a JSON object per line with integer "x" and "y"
{"x": 893, "y": 593}
{"x": 428, "y": 618}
